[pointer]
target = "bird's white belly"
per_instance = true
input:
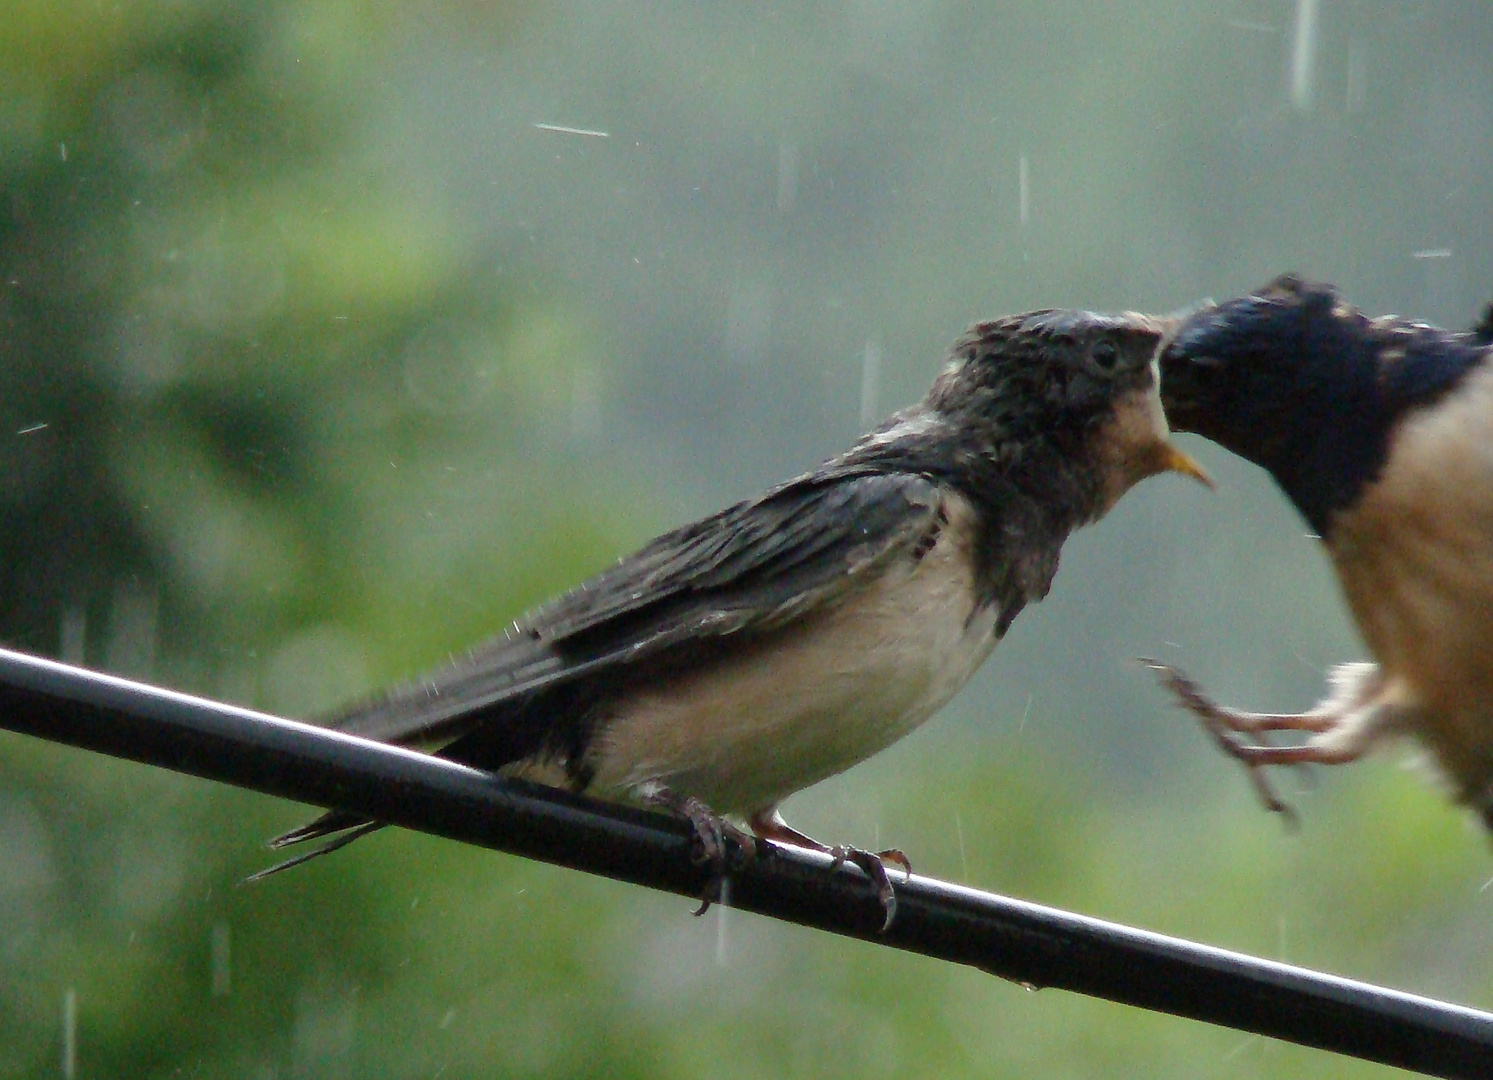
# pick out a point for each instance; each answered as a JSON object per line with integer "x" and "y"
{"x": 748, "y": 731}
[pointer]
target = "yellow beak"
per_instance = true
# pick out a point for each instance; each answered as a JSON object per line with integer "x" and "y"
{"x": 1174, "y": 460}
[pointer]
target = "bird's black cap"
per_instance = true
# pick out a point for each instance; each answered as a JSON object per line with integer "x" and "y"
{"x": 1300, "y": 382}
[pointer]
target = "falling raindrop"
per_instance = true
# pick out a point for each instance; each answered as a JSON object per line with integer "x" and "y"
{"x": 1303, "y": 54}
{"x": 221, "y": 960}
{"x": 74, "y": 636}
{"x": 1358, "y": 74}
{"x": 722, "y": 923}
{"x": 870, "y": 380}
{"x": 1249, "y": 1043}
{"x": 1023, "y": 190}
{"x": 69, "y": 1034}
{"x": 566, "y": 129}
{"x": 963, "y": 855}
{"x": 787, "y": 176}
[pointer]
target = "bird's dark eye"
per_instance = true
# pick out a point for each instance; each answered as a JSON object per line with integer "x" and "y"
{"x": 1105, "y": 355}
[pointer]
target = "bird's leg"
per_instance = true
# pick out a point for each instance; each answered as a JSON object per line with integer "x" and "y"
{"x": 711, "y": 834}
{"x": 769, "y": 825}
{"x": 1355, "y": 686}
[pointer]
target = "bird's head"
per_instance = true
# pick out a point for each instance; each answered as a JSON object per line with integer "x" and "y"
{"x": 1251, "y": 373}
{"x": 1285, "y": 377}
{"x": 1297, "y": 380}
{"x": 1077, "y": 384}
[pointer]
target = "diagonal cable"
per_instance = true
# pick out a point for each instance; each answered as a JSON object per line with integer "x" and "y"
{"x": 1029, "y": 943}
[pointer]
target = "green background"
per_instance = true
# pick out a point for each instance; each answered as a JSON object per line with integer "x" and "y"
{"x": 343, "y": 362}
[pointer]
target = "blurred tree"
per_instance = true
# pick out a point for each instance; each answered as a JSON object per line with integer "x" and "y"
{"x": 216, "y": 323}
{"x": 220, "y": 332}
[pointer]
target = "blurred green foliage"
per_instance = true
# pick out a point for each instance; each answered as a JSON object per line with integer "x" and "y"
{"x": 318, "y": 360}
{"x": 222, "y": 334}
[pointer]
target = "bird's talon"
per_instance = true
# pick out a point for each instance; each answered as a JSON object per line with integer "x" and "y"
{"x": 708, "y": 846}
{"x": 1222, "y": 724}
{"x": 895, "y": 855}
{"x": 870, "y": 863}
{"x": 711, "y": 894}
{"x": 889, "y": 904}
{"x": 1240, "y": 752}
{"x": 1274, "y": 803}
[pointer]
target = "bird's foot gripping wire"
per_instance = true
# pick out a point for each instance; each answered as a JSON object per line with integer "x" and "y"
{"x": 713, "y": 837}
{"x": 873, "y": 865}
{"x": 771, "y": 826}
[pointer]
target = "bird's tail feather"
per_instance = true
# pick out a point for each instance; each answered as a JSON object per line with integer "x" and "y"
{"x": 333, "y": 821}
{"x": 349, "y": 825}
{"x": 461, "y": 725}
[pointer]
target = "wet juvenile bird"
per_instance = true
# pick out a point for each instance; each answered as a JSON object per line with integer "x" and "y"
{"x": 1380, "y": 431}
{"x": 741, "y": 658}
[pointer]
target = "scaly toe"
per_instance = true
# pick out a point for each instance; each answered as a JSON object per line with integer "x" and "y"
{"x": 709, "y": 843}
{"x": 870, "y": 863}
{"x": 895, "y": 855}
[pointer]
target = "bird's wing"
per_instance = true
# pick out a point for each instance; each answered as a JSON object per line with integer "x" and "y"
{"x": 745, "y": 571}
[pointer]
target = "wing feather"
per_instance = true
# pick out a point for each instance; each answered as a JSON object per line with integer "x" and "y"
{"x": 747, "y": 570}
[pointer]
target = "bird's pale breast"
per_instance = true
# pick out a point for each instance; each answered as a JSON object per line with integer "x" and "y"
{"x": 770, "y": 720}
{"x": 1415, "y": 555}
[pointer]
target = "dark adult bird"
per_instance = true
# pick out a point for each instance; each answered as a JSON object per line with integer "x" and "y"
{"x": 1482, "y": 330}
{"x": 1380, "y": 431}
{"x": 741, "y": 658}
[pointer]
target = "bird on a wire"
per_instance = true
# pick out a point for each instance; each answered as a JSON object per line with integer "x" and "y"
{"x": 1380, "y": 432}
{"x": 739, "y": 659}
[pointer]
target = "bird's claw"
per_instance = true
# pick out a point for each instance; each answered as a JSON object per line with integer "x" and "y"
{"x": 709, "y": 895}
{"x": 1222, "y": 724}
{"x": 712, "y": 837}
{"x": 712, "y": 833}
{"x": 873, "y": 865}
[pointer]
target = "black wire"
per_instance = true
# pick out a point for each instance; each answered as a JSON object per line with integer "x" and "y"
{"x": 1038, "y": 946}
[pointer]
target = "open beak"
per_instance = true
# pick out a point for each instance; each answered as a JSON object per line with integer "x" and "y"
{"x": 1174, "y": 460}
